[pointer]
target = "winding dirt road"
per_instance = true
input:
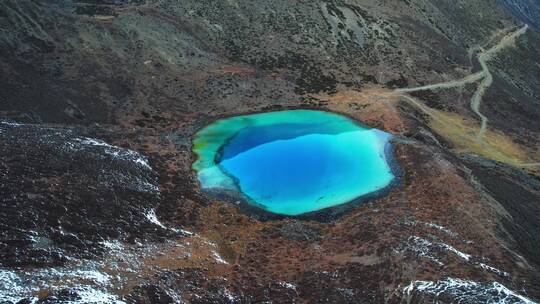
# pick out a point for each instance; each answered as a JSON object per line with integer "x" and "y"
{"x": 446, "y": 85}
{"x": 486, "y": 80}
{"x": 483, "y": 58}
{"x": 485, "y": 75}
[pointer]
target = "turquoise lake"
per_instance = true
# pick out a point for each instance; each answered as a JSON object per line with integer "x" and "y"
{"x": 293, "y": 162}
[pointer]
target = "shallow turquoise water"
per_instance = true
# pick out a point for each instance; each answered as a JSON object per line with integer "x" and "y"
{"x": 292, "y": 162}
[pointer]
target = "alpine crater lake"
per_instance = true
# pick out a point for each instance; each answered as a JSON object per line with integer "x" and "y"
{"x": 293, "y": 162}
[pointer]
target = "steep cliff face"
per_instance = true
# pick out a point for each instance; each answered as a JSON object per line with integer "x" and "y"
{"x": 99, "y": 101}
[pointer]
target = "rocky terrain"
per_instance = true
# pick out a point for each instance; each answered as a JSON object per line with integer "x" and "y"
{"x": 99, "y": 101}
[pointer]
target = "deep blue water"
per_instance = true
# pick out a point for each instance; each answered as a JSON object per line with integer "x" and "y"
{"x": 293, "y": 162}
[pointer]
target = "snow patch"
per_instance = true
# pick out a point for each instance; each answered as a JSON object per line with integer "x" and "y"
{"x": 94, "y": 275}
{"x": 94, "y": 142}
{"x": 12, "y": 287}
{"x": 152, "y": 218}
{"x": 463, "y": 291}
{"x": 287, "y": 285}
{"x": 494, "y": 270}
{"x": 11, "y": 124}
{"x": 460, "y": 254}
{"x": 218, "y": 258}
{"x": 113, "y": 245}
{"x": 424, "y": 248}
{"x": 116, "y": 152}
{"x": 95, "y": 296}
{"x": 16, "y": 285}
{"x": 229, "y": 295}
{"x": 441, "y": 228}
{"x": 184, "y": 232}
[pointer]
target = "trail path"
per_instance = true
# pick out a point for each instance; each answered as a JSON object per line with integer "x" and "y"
{"x": 485, "y": 75}
{"x": 446, "y": 85}
{"x": 483, "y": 58}
{"x": 486, "y": 80}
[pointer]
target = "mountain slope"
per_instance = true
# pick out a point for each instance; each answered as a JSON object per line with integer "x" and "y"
{"x": 99, "y": 101}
